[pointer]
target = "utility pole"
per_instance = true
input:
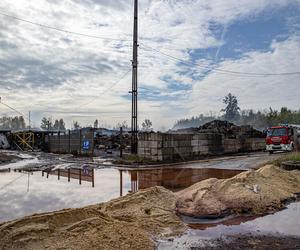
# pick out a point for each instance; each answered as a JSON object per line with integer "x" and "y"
{"x": 134, "y": 92}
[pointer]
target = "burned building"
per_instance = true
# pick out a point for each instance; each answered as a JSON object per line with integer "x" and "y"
{"x": 214, "y": 138}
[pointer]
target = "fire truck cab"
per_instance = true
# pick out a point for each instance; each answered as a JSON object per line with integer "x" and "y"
{"x": 283, "y": 138}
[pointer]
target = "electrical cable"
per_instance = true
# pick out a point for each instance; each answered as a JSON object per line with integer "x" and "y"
{"x": 11, "y": 182}
{"x": 222, "y": 71}
{"x": 13, "y": 109}
{"x": 104, "y": 91}
{"x": 63, "y": 30}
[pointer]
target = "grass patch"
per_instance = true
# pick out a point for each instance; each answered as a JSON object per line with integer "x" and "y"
{"x": 295, "y": 156}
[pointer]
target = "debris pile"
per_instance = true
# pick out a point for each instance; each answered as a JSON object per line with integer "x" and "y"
{"x": 255, "y": 192}
{"x": 4, "y": 144}
{"x": 125, "y": 223}
{"x": 230, "y": 129}
{"x": 5, "y": 158}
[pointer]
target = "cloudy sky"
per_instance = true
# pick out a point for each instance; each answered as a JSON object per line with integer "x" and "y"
{"x": 190, "y": 56}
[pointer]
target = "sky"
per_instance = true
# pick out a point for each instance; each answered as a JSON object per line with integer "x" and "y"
{"x": 189, "y": 54}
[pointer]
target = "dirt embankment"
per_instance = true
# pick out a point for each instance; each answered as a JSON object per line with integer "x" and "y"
{"x": 254, "y": 192}
{"x": 129, "y": 222}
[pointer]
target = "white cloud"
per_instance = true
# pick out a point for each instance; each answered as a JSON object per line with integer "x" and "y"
{"x": 51, "y": 70}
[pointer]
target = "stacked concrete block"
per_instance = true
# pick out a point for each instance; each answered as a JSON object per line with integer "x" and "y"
{"x": 169, "y": 147}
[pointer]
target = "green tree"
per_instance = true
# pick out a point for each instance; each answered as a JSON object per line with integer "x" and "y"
{"x": 96, "y": 123}
{"x": 61, "y": 124}
{"x": 22, "y": 123}
{"x": 76, "y": 125}
{"x": 232, "y": 108}
{"x": 147, "y": 125}
{"x": 46, "y": 123}
{"x": 56, "y": 125}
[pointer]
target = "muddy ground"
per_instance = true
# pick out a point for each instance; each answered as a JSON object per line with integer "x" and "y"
{"x": 6, "y": 158}
{"x": 249, "y": 242}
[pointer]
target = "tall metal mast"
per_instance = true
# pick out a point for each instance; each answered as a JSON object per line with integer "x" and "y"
{"x": 134, "y": 113}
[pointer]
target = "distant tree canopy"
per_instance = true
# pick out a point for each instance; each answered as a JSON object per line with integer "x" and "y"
{"x": 96, "y": 123}
{"x": 123, "y": 124}
{"x": 258, "y": 119}
{"x": 13, "y": 123}
{"x": 232, "y": 108}
{"x": 48, "y": 125}
{"x": 76, "y": 125}
{"x": 147, "y": 125}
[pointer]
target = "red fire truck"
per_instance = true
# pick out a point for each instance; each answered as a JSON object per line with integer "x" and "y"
{"x": 283, "y": 138}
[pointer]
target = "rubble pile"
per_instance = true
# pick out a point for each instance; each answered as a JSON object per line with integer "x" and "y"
{"x": 230, "y": 129}
{"x": 4, "y": 144}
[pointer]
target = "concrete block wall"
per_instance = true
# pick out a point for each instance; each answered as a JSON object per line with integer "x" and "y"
{"x": 168, "y": 146}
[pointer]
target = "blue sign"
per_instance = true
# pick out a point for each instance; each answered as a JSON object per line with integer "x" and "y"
{"x": 86, "y": 145}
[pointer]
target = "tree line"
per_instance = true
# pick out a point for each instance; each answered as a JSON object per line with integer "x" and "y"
{"x": 14, "y": 123}
{"x": 232, "y": 112}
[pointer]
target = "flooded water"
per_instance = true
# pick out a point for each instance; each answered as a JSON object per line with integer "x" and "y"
{"x": 175, "y": 178}
{"x": 24, "y": 193}
{"x": 285, "y": 222}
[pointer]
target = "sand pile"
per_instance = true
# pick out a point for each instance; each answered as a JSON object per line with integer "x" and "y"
{"x": 254, "y": 192}
{"x": 130, "y": 222}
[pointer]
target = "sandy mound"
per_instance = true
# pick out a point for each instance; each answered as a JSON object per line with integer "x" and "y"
{"x": 124, "y": 223}
{"x": 254, "y": 192}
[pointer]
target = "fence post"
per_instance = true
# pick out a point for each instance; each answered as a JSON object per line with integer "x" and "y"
{"x": 79, "y": 176}
{"x": 93, "y": 178}
{"x": 69, "y": 174}
{"x": 58, "y": 174}
{"x": 121, "y": 182}
{"x": 121, "y": 142}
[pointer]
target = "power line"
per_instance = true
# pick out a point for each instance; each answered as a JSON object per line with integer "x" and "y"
{"x": 12, "y": 108}
{"x": 107, "y": 89}
{"x": 11, "y": 182}
{"x": 63, "y": 30}
{"x": 223, "y": 71}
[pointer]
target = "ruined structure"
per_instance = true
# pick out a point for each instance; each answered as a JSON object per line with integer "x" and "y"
{"x": 77, "y": 142}
{"x": 214, "y": 138}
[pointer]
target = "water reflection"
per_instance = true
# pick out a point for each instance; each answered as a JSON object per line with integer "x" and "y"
{"x": 285, "y": 222}
{"x": 22, "y": 194}
{"x": 174, "y": 178}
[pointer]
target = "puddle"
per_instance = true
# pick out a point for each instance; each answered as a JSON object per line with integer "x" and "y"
{"x": 49, "y": 194}
{"x": 175, "y": 178}
{"x": 285, "y": 222}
